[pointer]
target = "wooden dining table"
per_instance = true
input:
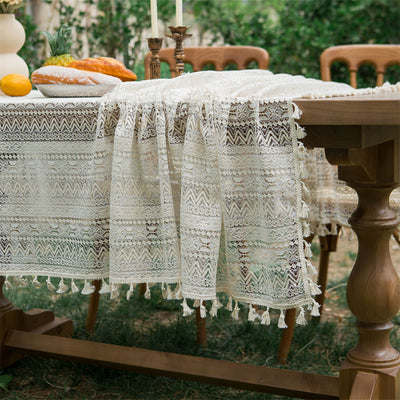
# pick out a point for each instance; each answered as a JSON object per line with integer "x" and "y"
{"x": 360, "y": 134}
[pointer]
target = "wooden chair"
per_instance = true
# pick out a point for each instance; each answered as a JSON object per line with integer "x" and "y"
{"x": 380, "y": 56}
{"x": 220, "y": 57}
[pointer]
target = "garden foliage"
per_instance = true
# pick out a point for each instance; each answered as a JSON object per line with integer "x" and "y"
{"x": 294, "y": 32}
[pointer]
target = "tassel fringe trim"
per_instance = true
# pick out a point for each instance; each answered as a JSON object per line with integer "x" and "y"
{"x": 170, "y": 293}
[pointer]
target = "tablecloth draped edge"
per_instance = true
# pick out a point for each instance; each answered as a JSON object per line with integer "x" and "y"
{"x": 114, "y": 287}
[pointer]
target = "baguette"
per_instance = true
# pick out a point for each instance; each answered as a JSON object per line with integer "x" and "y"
{"x": 105, "y": 65}
{"x": 53, "y": 74}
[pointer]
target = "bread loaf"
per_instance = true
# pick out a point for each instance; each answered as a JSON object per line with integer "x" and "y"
{"x": 105, "y": 65}
{"x": 64, "y": 75}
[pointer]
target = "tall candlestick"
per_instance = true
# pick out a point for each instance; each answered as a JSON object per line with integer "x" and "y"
{"x": 154, "y": 21}
{"x": 179, "y": 13}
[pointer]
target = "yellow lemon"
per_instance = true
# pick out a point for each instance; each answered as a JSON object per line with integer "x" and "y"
{"x": 15, "y": 85}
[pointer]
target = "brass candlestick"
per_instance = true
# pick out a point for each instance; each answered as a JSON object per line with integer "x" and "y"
{"x": 178, "y": 33}
{"x": 155, "y": 46}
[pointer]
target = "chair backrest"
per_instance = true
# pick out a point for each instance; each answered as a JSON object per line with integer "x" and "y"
{"x": 380, "y": 56}
{"x": 220, "y": 57}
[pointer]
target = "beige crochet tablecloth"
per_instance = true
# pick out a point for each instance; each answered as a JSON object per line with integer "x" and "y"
{"x": 197, "y": 183}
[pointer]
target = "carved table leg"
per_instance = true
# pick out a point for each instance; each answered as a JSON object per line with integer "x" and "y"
{"x": 36, "y": 320}
{"x": 373, "y": 290}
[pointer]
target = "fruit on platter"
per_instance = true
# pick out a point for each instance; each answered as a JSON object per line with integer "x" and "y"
{"x": 60, "y": 57}
{"x": 60, "y": 47}
{"x": 15, "y": 85}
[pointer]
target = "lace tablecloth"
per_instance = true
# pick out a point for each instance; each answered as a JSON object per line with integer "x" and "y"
{"x": 195, "y": 183}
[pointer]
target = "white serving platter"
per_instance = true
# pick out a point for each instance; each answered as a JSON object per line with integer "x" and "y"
{"x": 60, "y": 90}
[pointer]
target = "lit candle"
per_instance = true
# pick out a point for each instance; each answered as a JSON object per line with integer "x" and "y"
{"x": 154, "y": 21}
{"x": 179, "y": 13}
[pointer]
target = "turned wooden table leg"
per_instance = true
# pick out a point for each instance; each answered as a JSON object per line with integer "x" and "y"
{"x": 373, "y": 290}
{"x": 373, "y": 294}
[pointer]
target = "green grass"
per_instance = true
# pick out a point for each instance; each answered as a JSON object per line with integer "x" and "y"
{"x": 157, "y": 324}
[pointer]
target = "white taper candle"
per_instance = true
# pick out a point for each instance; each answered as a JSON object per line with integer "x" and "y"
{"x": 154, "y": 20}
{"x": 179, "y": 13}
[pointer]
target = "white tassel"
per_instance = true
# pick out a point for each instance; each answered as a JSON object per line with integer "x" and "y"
{"x": 23, "y": 282}
{"x": 304, "y": 210}
{"x": 163, "y": 290}
{"x": 170, "y": 293}
{"x": 252, "y": 313}
{"x": 88, "y": 288}
{"x": 74, "y": 288}
{"x": 229, "y": 305}
{"x": 307, "y": 249}
{"x": 214, "y": 308}
{"x": 105, "y": 287}
{"x": 301, "y": 147}
{"x": 306, "y": 192}
{"x": 7, "y": 284}
{"x": 300, "y": 132}
{"x": 147, "y": 294}
{"x": 315, "y": 290}
{"x": 50, "y": 286}
{"x": 178, "y": 293}
{"x": 310, "y": 268}
{"x": 334, "y": 229}
{"x": 315, "y": 309}
{"x": 325, "y": 230}
{"x": 186, "y": 309}
{"x": 281, "y": 322}
{"x": 296, "y": 113}
{"x": 319, "y": 230}
{"x": 114, "y": 291}
{"x": 265, "y": 318}
{"x": 62, "y": 287}
{"x": 129, "y": 293}
{"x": 302, "y": 168}
{"x": 235, "y": 312}
{"x": 301, "y": 320}
{"x": 36, "y": 283}
{"x": 196, "y": 303}
{"x": 306, "y": 229}
{"x": 203, "y": 311}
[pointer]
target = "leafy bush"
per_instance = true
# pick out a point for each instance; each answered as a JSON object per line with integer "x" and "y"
{"x": 296, "y": 32}
{"x": 111, "y": 28}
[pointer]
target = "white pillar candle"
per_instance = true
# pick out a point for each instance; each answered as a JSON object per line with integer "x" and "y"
{"x": 179, "y": 13}
{"x": 154, "y": 21}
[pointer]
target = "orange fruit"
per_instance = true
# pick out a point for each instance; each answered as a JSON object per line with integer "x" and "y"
{"x": 15, "y": 85}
